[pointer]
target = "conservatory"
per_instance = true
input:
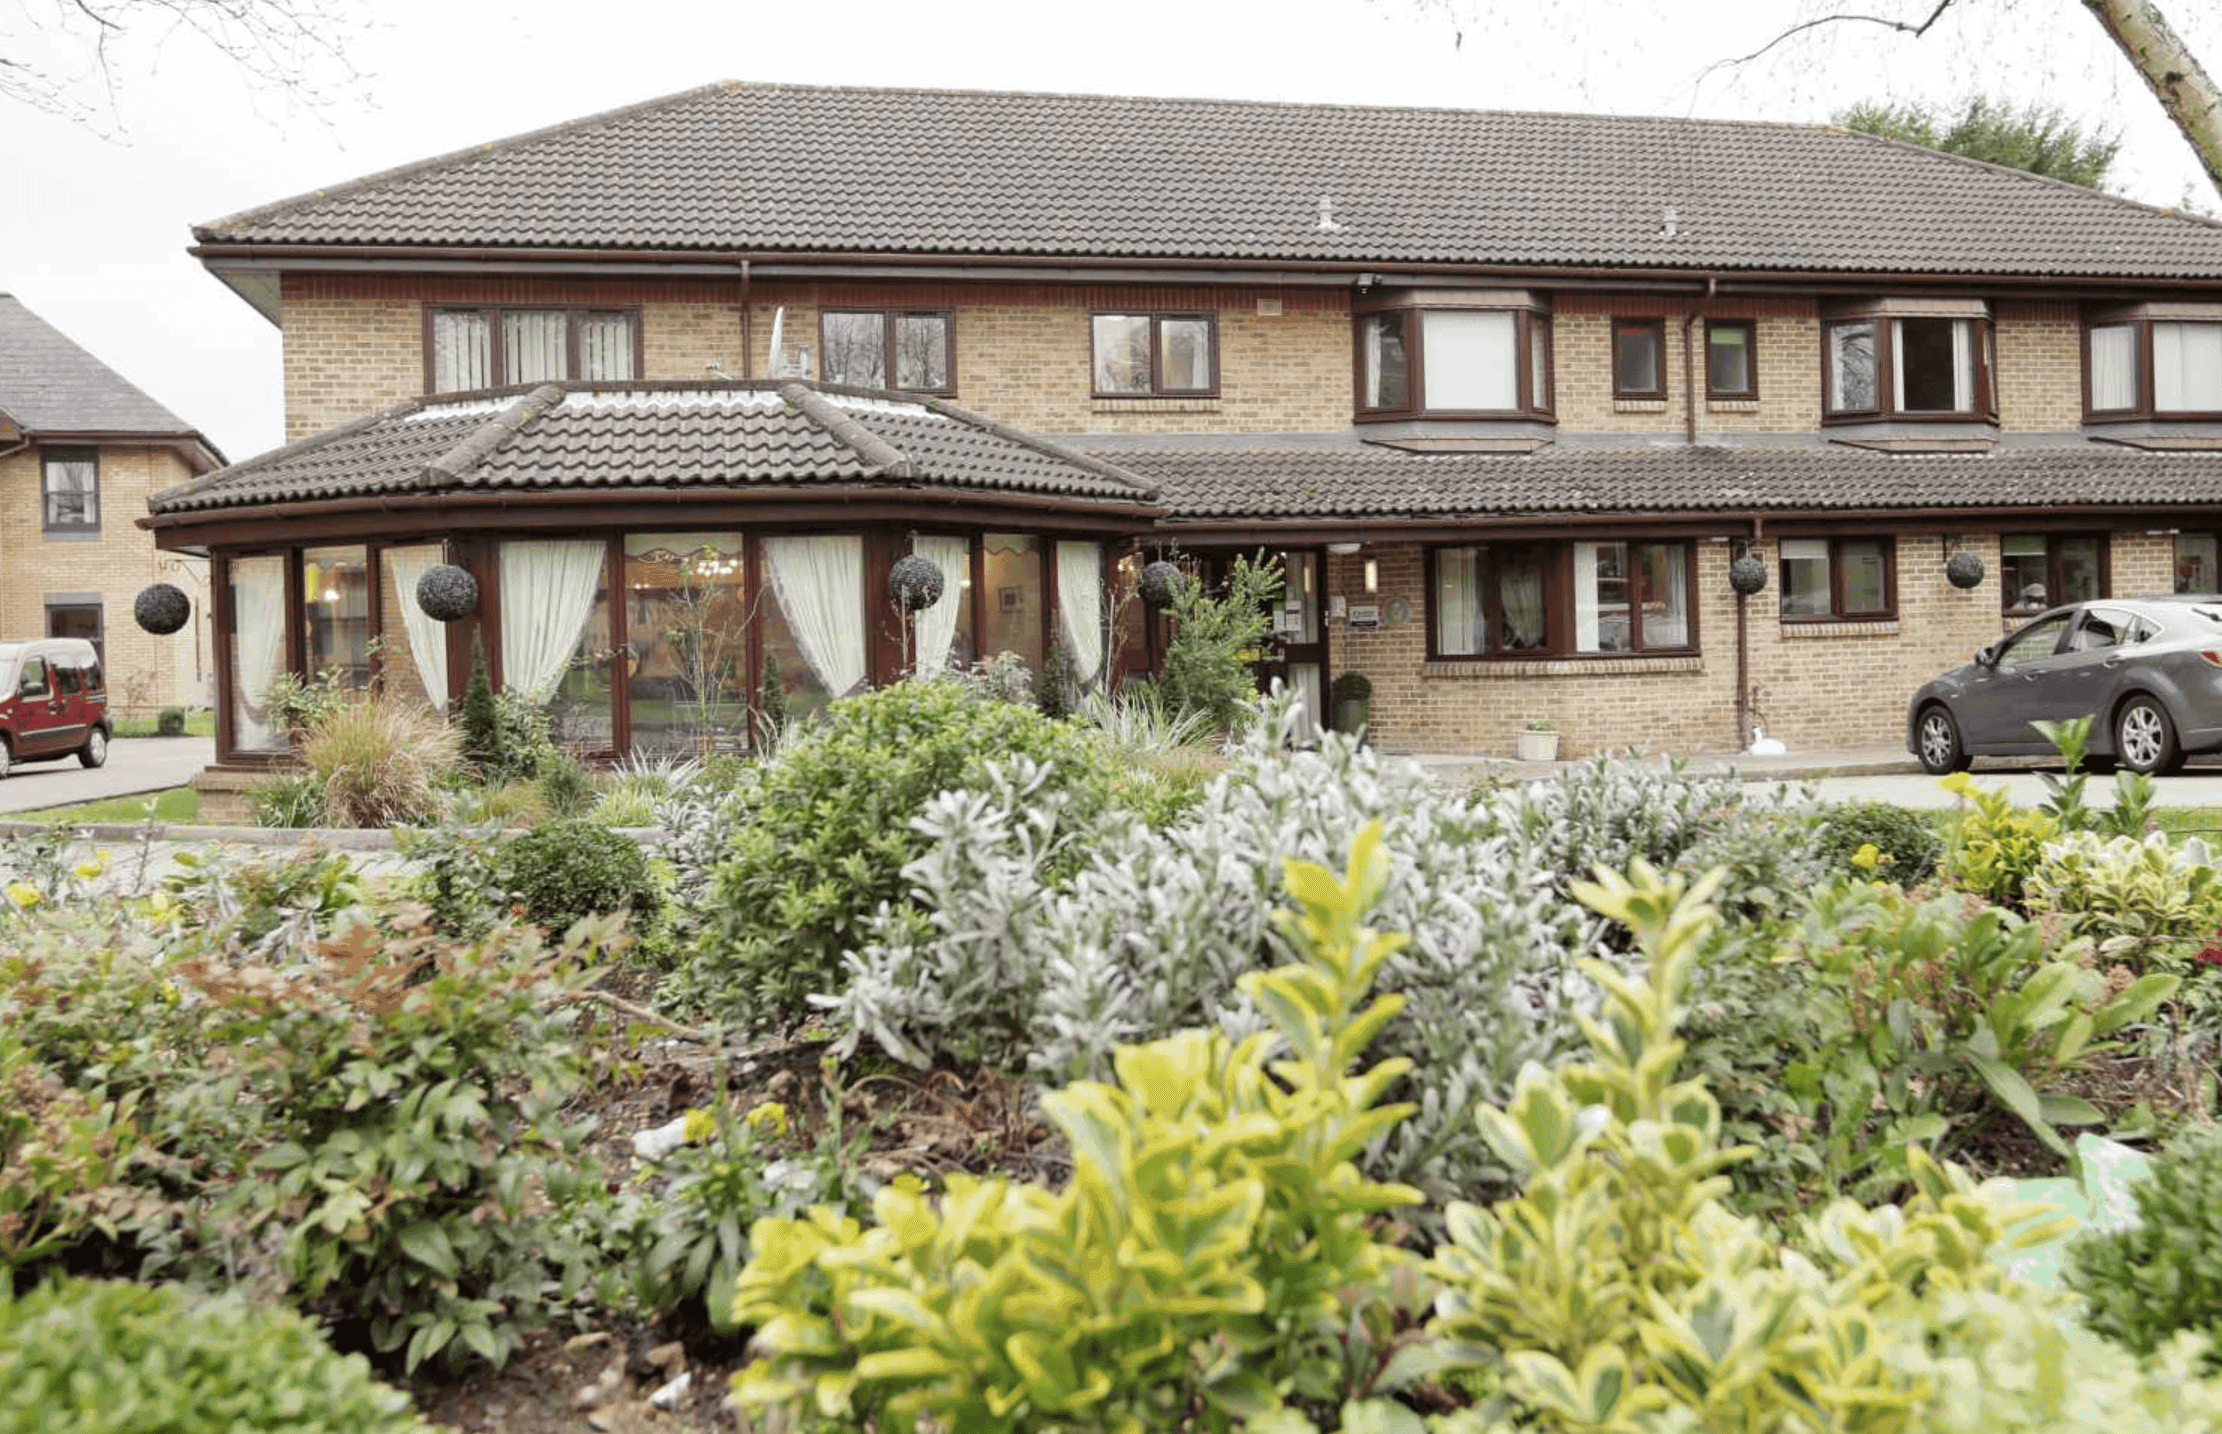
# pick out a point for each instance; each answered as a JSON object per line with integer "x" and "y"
{"x": 647, "y": 560}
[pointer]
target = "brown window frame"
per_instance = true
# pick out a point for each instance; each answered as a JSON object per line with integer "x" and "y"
{"x": 48, "y": 458}
{"x": 2141, "y": 318}
{"x": 1882, "y": 317}
{"x": 1531, "y": 327}
{"x": 1156, "y": 317}
{"x": 1558, "y": 602}
{"x": 888, "y": 368}
{"x": 1655, "y": 330}
{"x": 495, "y": 357}
{"x": 1838, "y": 612}
{"x": 1750, "y": 330}
{"x": 81, "y": 602}
{"x": 2053, "y": 581}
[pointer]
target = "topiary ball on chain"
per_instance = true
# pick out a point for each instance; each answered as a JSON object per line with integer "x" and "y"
{"x": 1964, "y": 569}
{"x": 914, "y": 582}
{"x": 1747, "y": 574}
{"x": 162, "y": 608}
{"x": 1160, "y": 583}
{"x": 447, "y": 593}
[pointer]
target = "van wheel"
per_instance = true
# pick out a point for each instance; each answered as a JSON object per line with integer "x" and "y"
{"x": 95, "y": 751}
{"x": 7, "y": 756}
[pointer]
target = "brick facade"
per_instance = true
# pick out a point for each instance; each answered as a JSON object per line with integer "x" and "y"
{"x": 145, "y": 672}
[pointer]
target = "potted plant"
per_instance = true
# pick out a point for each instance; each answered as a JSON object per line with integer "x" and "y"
{"x": 1353, "y": 702}
{"x": 1539, "y": 743}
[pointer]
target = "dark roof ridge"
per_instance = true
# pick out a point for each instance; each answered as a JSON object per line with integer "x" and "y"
{"x": 1075, "y": 456}
{"x": 846, "y": 428}
{"x": 455, "y": 464}
{"x": 2029, "y": 176}
{"x": 297, "y": 447}
{"x": 203, "y": 231}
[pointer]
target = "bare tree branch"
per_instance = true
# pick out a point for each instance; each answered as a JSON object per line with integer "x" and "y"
{"x": 1887, "y": 22}
{"x": 63, "y": 56}
{"x": 2170, "y": 71}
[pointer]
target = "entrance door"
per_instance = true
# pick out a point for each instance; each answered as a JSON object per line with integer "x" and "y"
{"x": 1297, "y": 650}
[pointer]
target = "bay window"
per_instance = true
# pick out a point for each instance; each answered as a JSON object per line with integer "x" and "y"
{"x": 469, "y": 349}
{"x": 2154, "y": 361}
{"x": 1908, "y": 359}
{"x": 1546, "y": 599}
{"x": 1455, "y": 356}
{"x": 1837, "y": 578}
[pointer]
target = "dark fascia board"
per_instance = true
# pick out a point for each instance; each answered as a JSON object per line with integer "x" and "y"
{"x": 199, "y": 454}
{"x": 783, "y": 263}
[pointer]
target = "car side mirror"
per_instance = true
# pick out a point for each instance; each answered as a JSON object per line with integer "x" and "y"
{"x": 1986, "y": 657}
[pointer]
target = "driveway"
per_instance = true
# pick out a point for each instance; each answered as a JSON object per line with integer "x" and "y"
{"x": 135, "y": 764}
{"x": 2197, "y": 787}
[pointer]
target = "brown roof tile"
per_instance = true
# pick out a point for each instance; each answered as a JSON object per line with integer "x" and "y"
{"x": 756, "y": 167}
{"x": 651, "y": 435}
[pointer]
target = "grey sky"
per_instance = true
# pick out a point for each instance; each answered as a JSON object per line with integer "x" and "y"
{"x": 97, "y": 230}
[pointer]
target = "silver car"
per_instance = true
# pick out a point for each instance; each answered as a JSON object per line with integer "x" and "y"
{"x": 2146, "y": 671}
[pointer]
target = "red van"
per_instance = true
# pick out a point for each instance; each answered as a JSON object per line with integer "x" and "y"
{"x": 55, "y": 703}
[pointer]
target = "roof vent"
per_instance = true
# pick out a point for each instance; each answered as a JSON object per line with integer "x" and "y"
{"x": 1327, "y": 224}
{"x": 1669, "y": 224}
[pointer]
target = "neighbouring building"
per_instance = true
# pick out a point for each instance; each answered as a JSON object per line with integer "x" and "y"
{"x": 1509, "y": 394}
{"x": 81, "y": 450}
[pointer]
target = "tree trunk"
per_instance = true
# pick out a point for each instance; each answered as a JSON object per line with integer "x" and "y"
{"x": 2171, "y": 71}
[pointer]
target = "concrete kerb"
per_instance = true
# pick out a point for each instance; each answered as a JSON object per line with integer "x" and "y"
{"x": 338, "y": 838}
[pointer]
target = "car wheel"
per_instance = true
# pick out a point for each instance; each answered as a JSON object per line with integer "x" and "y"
{"x": 1939, "y": 738}
{"x": 95, "y": 751}
{"x": 2144, "y": 738}
{"x": 7, "y": 756}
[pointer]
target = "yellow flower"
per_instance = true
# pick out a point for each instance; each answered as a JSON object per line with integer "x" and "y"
{"x": 700, "y": 1126}
{"x": 91, "y": 867}
{"x": 169, "y": 992}
{"x": 1957, "y": 783}
{"x": 770, "y": 1118}
{"x": 1868, "y": 857}
{"x": 23, "y": 894}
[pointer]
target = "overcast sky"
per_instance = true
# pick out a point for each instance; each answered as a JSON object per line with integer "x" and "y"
{"x": 96, "y": 227}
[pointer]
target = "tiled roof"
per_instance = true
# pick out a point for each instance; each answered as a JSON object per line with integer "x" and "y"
{"x": 1373, "y": 483}
{"x": 650, "y": 435}
{"x": 761, "y": 167}
{"x": 50, "y": 385}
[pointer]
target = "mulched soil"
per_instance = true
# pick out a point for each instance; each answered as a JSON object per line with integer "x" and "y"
{"x": 599, "y": 1381}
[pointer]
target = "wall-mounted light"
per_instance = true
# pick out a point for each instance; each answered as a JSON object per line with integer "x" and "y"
{"x": 1373, "y": 576}
{"x": 1344, "y": 550}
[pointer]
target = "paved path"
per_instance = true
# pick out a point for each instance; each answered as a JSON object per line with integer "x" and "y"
{"x": 135, "y": 764}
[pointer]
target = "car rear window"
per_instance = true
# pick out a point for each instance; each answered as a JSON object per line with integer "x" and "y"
{"x": 93, "y": 676}
{"x": 68, "y": 679}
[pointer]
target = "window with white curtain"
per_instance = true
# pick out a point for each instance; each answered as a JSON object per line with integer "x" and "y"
{"x": 492, "y": 348}
{"x": 1474, "y": 360}
{"x": 257, "y": 650}
{"x": 2154, "y": 361}
{"x": 1520, "y": 599}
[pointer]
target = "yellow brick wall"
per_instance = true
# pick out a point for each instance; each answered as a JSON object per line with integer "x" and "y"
{"x": 1788, "y": 352}
{"x": 348, "y": 357}
{"x": 145, "y": 672}
{"x": 1813, "y": 687}
{"x": 2040, "y": 373}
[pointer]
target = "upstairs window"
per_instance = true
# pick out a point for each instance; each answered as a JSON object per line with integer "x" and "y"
{"x": 1545, "y": 599}
{"x": 2154, "y": 361}
{"x": 1826, "y": 579}
{"x": 1730, "y": 372}
{"x": 496, "y": 348}
{"x": 1638, "y": 358}
{"x": 1882, "y": 362}
{"x": 1156, "y": 355}
{"x": 1479, "y": 360}
{"x": 69, "y": 487}
{"x": 865, "y": 347}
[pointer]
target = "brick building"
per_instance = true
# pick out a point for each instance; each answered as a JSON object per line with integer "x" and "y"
{"x": 81, "y": 450}
{"x": 1508, "y": 392}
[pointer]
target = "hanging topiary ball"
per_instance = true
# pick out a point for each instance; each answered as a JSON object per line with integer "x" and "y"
{"x": 914, "y": 582}
{"x": 1748, "y": 574}
{"x": 162, "y": 608}
{"x": 447, "y": 593}
{"x": 1160, "y": 583}
{"x": 1964, "y": 569}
